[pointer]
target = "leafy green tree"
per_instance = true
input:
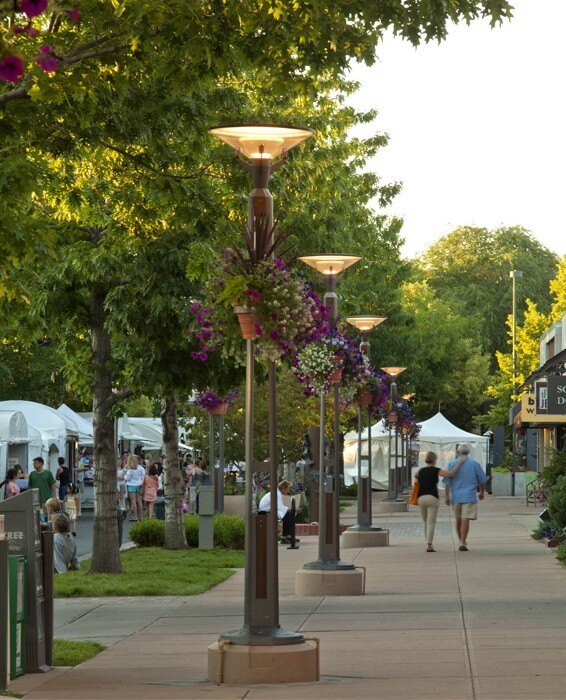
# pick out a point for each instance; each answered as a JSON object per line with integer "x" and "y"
{"x": 470, "y": 268}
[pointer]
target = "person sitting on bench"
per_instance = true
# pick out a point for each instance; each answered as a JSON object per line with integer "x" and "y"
{"x": 283, "y": 512}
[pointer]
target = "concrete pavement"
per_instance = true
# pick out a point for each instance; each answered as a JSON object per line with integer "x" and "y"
{"x": 485, "y": 624}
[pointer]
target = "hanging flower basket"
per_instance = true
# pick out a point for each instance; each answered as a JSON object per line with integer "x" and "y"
{"x": 365, "y": 398}
{"x": 248, "y": 322}
{"x": 219, "y": 410}
{"x": 336, "y": 374}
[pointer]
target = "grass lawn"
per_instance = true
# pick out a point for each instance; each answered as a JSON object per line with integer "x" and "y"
{"x": 71, "y": 653}
{"x": 153, "y": 571}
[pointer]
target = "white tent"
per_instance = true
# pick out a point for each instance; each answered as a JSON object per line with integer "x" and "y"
{"x": 152, "y": 430}
{"x": 437, "y": 435}
{"x": 84, "y": 426}
{"x": 51, "y": 433}
{"x": 13, "y": 440}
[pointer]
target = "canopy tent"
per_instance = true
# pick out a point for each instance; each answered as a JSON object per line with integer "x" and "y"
{"x": 51, "y": 433}
{"x": 437, "y": 435}
{"x": 84, "y": 426}
{"x": 13, "y": 440}
{"x": 152, "y": 429}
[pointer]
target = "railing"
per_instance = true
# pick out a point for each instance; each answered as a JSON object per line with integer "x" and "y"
{"x": 537, "y": 492}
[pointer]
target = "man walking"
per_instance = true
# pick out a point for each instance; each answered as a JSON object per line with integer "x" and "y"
{"x": 43, "y": 480}
{"x": 461, "y": 491}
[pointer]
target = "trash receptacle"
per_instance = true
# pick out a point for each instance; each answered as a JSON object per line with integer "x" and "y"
{"x": 160, "y": 508}
{"x": 18, "y": 571}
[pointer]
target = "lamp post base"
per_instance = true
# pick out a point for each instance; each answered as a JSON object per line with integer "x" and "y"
{"x": 315, "y": 582}
{"x": 243, "y": 665}
{"x": 261, "y": 636}
{"x": 360, "y": 536}
{"x": 329, "y": 565}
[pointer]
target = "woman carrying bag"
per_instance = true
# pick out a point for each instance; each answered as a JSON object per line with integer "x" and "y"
{"x": 425, "y": 493}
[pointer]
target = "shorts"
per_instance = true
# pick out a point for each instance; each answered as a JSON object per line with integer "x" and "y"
{"x": 465, "y": 511}
{"x": 134, "y": 489}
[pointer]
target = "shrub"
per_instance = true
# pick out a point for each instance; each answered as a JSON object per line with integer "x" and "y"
{"x": 303, "y": 515}
{"x": 557, "y": 502}
{"x": 538, "y": 532}
{"x": 561, "y": 553}
{"x": 234, "y": 489}
{"x": 350, "y": 491}
{"x": 148, "y": 533}
{"x": 229, "y": 532}
{"x": 555, "y": 469}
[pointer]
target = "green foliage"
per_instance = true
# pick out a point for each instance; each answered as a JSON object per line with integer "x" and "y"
{"x": 561, "y": 553}
{"x": 67, "y": 652}
{"x": 228, "y": 532}
{"x": 557, "y": 502}
{"x": 555, "y": 469}
{"x": 302, "y": 516}
{"x": 350, "y": 491}
{"x": 151, "y": 571}
{"x": 234, "y": 488}
{"x": 538, "y": 532}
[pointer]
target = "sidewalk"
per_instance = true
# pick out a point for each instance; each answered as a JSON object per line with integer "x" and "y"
{"x": 487, "y": 624}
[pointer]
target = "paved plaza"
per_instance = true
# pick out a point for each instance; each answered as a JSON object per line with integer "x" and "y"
{"x": 487, "y": 624}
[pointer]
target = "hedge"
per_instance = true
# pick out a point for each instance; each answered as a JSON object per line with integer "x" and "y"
{"x": 229, "y": 532}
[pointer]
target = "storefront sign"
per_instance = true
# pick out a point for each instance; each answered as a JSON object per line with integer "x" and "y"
{"x": 556, "y": 395}
{"x": 534, "y": 408}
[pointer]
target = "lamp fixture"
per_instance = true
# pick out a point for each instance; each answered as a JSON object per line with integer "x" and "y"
{"x": 261, "y": 141}
{"x": 393, "y": 371}
{"x": 330, "y": 264}
{"x": 365, "y": 323}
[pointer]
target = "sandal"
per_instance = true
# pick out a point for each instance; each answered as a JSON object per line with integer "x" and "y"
{"x": 431, "y": 550}
{"x": 463, "y": 548}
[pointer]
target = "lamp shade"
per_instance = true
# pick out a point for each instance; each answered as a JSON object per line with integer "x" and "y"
{"x": 261, "y": 140}
{"x": 330, "y": 264}
{"x": 365, "y": 323}
{"x": 393, "y": 371}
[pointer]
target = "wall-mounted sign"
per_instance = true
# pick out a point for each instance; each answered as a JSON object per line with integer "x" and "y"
{"x": 556, "y": 395}
{"x": 530, "y": 412}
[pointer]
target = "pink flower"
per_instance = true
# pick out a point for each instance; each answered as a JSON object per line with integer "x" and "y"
{"x": 47, "y": 60}
{"x": 33, "y": 8}
{"x": 74, "y": 14}
{"x": 253, "y": 294}
{"x": 11, "y": 69}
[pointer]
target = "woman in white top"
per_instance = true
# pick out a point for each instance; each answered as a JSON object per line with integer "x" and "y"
{"x": 133, "y": 478}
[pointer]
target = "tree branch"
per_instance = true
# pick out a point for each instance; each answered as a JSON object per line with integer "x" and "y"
{"x": 110, "y": 401}
{"x": 20, "y": 93}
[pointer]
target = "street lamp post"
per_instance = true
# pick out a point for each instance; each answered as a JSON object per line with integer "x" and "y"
{"x": 393, "y": 373}
{"x": 514, "y": 274}
{"x": 261, "y": 149}
{"x": 329, "y": 562}
{"x": 364, "y": 533}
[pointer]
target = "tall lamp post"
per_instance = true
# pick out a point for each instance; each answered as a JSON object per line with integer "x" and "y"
{"x": 261, "y": 149}
{"x": 392, "y": 418}
{"x": 330, "y": 267}
{"x": 514, "y": 275}
{"x": 364, "y": 533}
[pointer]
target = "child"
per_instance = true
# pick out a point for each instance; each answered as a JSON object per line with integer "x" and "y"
{"x": 72, "y": 507}
{"x": 150, "y": 485}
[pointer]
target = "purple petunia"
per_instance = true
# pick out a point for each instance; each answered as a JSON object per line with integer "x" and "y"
{"x": 253, "y": 294}
{"x": 11, "y": 69}
{"x": 47, "y": 60}
{"x": 33, "y": 8}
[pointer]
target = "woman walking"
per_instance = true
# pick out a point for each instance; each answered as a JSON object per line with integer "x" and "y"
{"x": 134, "y": 477}
{"x": 150, "y": 486}
{"x": 428, "y": 500}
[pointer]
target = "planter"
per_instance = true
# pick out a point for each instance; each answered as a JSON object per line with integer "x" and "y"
{"x": 366, "y": 398}
{"x": 502, "y": 484}
{"x": 247, "y": 319}
{"x": 336, "y": 374}
{"x": 219, "y": 410}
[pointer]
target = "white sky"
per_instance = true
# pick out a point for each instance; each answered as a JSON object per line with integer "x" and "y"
{"x": 477, "y": 126}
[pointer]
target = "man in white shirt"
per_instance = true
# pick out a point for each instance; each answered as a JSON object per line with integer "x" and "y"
{"x": 283, "y": 512}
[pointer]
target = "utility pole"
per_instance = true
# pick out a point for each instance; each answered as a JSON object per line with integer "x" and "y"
{"x": 514, "y": 274}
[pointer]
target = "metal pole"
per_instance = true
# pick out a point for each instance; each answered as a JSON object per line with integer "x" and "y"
{"x": 212, "y": 470}
{"x": 391, "y": 483}
{"x": 336, "y": 480}
{"x": 221, "y": 463}
{"x": 368, "y": 495}
{"x": 271, "y": 548}
{"x": 250, "y": 573}
{"x": 514, "y": 274}
{"x": 360, "y": 490}
{"x": 322, "y": 481}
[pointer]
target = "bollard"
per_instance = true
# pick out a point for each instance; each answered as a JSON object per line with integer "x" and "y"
{"x": 4, "y": 616}
{"x": 206, "y": 517}
{"x": 294, "y": 544}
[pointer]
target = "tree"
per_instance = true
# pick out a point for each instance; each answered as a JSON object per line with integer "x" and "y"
{"x": 470, "y": 269}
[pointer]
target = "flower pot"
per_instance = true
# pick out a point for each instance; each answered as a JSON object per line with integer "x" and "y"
{"x": 247, "y": 319}
{"x": 365, "y": 398}
{"x": 336, "y": 374}
{"x": 219, "y": 410}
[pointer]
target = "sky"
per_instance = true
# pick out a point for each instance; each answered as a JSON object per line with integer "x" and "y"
{"x": 477, "y": 126}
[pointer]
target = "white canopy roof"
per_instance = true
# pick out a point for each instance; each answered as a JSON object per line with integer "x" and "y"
{"x": 53, "y": 427}
{"x": 83, "y": 426}
{"x": 13, "y": 427}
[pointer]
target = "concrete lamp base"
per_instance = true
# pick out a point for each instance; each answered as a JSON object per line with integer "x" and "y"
{"x": 391, "y": 507}
{"x": 238, "y": 664}
{"x": 356, "y": 539}
{"x": 318, "y": 582}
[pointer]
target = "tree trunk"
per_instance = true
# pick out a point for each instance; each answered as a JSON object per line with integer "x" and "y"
{"x": 105, "y": 545}
{"x": 175, "y": 537}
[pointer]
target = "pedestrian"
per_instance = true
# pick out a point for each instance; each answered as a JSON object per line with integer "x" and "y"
{"x": 10, "y": 485}
{"x": 121, "y": 484}
{"x": 72, "y": 507}
{"x": 64, "y": 546}
{"x": 52, "y": 508}
{"x": 462, "y": 492}
{"x": 63, "y": 476}
{"x": 283, "y": 513}
{"x": 43, "y": 480}
{"x": 21, "y": 478}
{"x": 428, "y": 499}
{"x": 150, "y": 486}
{"x": 133, "y": 478}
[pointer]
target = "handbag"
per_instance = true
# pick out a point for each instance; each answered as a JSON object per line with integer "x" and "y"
{"x": 414, "y": 497}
